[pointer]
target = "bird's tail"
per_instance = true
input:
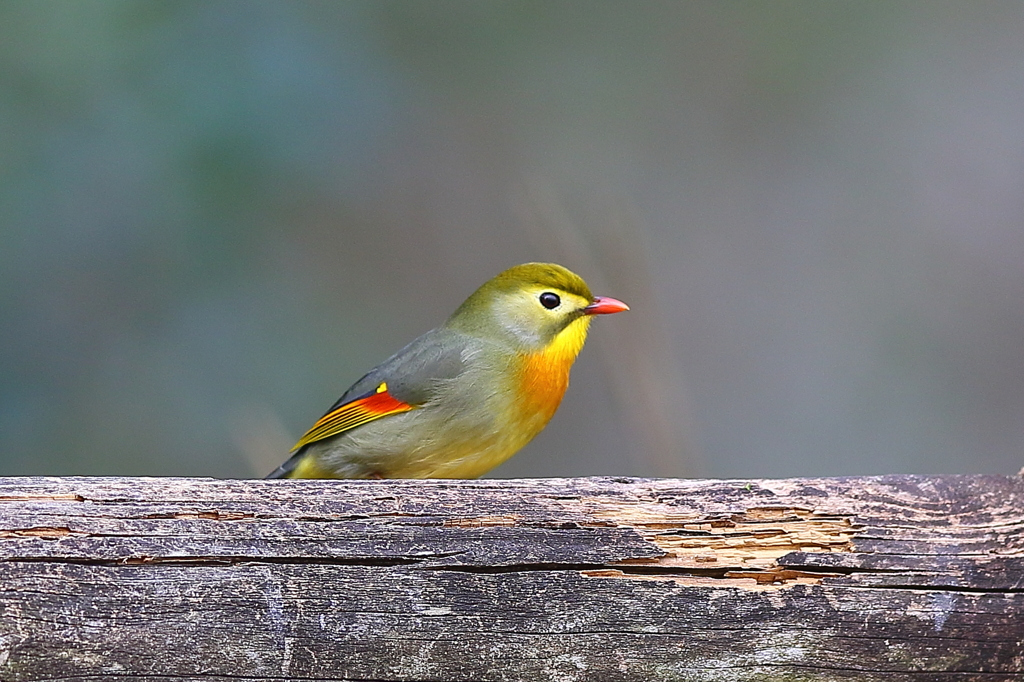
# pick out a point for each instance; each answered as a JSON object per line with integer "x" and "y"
{"x": 287, "y": 468}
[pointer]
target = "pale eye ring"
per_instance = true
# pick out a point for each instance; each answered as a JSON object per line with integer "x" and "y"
{"x": 550, "y": 300}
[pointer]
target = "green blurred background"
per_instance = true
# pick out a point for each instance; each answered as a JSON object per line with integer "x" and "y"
{"x": 217, "y": 215}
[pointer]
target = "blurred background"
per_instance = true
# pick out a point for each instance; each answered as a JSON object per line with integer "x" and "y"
{"x": 217, "y": 215}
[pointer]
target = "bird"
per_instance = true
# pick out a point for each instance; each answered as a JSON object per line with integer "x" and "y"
{"x": 465, "y": 396}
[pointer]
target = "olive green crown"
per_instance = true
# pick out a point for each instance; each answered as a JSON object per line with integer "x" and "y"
{"x": 539, "y": 274}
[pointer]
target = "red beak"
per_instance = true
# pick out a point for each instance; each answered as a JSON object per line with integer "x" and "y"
{"x": 605, "y": 305}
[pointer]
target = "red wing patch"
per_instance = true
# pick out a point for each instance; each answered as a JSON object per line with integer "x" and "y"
{"x": 352, "y": 414}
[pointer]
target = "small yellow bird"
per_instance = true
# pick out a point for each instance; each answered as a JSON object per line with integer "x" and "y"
{"x": 464, "y": 397}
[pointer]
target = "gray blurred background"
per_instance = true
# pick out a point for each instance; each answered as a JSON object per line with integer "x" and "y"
{"x": 217, "y": 215}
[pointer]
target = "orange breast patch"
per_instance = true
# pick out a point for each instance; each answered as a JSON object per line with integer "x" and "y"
{"x": 546, "y": 374}
{"x": 544, "y": 381}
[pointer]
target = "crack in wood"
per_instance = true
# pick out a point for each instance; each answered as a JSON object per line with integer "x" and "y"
{"x": 505, "y": 520}
{"x": 209, "y": 514}
{"x": 49, "y": 532}
{"x": 774, "y": 578}
{"x": 229, "y": 560}
{"x": 56, "y": 497}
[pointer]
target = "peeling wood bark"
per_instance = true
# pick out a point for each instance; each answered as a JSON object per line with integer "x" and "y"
{"x": 885, "y": 578}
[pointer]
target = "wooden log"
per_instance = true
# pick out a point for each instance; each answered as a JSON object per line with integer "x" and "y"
{"x": 603, "y": 579}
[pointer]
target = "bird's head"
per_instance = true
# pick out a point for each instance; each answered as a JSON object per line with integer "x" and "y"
{"x": 533, "y": 306}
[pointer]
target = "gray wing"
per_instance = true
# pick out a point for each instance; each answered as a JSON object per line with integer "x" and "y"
{"x": 412, "y": 375}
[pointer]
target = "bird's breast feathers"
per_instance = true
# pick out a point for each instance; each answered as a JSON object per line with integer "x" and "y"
{"x": 545, "y": 374}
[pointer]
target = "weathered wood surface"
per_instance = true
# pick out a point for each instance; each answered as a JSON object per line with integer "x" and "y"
{"x": 888, "y": 578}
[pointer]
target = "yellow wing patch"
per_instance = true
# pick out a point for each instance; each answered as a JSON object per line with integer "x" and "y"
{"x": 354, "y": 413}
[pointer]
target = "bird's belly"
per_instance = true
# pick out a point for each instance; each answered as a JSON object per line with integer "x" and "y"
{"x": 422, "y": 443}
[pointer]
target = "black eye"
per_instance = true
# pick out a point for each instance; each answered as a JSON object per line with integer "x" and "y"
{"x": 549, "y": 300}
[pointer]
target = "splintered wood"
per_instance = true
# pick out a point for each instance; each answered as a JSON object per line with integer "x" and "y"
{"x": 741, "y": 547}
{"x": 573, "y": 580}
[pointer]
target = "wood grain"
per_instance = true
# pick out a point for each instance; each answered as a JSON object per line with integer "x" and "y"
{"x": 603, "y": 579}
